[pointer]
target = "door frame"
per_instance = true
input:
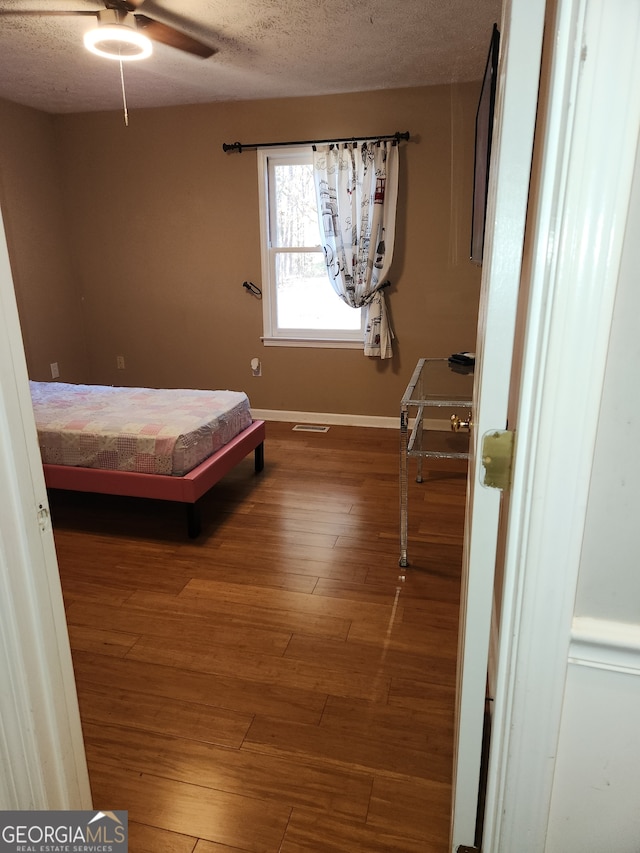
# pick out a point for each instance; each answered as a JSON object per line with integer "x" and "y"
{"x": 577, "y": 233}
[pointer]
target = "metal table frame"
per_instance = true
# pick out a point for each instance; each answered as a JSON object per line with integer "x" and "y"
{"x": 417, "y": 397}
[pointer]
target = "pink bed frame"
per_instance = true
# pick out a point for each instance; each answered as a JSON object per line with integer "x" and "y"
{"x": 186, "y": 489}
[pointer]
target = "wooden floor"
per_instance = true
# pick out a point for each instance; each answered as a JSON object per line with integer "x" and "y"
{"x": 278, "y": 684}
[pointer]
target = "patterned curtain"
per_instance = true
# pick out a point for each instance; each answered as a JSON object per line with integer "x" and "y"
{"x": 357, "y": 191}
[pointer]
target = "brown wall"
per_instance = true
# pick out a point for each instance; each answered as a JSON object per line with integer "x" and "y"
{"x": 38, "y": 239}
{"x": 165, "y": 229}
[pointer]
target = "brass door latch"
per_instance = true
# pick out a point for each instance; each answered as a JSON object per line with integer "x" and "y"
{"x": 497, "y": 458}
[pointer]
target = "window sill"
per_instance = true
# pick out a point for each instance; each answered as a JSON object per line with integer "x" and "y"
{"x": 326, "y": 343}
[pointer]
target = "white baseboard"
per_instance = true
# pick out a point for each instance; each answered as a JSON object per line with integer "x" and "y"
{"x": 333, "y": 419}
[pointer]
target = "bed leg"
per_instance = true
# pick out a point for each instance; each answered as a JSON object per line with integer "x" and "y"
{"x": 259, "y": 457}
{"x": 193, "y": 521}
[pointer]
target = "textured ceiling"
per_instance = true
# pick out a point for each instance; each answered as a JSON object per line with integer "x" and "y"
{"x": 265, "y": 49}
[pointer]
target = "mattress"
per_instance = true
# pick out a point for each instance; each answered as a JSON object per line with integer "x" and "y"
{"x": 147, "y": 430}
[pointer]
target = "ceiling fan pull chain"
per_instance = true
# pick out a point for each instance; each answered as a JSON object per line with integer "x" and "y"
{"x": 124, "y": 97}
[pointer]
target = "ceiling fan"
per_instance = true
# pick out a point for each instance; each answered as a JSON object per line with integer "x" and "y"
{"x": 123, "y": 32}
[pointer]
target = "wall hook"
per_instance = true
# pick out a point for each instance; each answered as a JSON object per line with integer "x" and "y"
{"x": 252, "y": 288}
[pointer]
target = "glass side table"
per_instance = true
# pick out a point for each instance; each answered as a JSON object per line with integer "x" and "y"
{"x": 435, "y": 383}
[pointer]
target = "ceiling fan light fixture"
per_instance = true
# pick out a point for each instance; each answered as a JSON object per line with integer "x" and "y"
{"x": 116, "y": 38}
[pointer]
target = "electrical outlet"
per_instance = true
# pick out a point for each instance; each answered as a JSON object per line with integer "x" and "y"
{"x": 120, "y": 362}
{"x": 54, "y": 370}
{"x": 256, "y": 367}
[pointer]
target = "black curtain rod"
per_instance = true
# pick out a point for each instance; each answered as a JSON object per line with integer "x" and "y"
{"x": 240, "y": 146}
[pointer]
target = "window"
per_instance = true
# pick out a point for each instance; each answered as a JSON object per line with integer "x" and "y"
{"x": 300, "y": 306}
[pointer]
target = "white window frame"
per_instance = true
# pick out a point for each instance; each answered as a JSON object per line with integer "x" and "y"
{"x": 272, "y": 334}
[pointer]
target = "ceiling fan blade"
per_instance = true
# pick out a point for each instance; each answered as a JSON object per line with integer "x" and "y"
{"x": 124, "y": 5}
{"x": 174, "y": 38}
{"x": 48, "y": 12}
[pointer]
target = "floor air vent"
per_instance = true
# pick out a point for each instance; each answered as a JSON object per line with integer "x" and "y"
{"x": 310, "y": 428}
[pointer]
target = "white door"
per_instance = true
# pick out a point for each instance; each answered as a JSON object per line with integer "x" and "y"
{"x": 42, "y": 760}
{"x": 516, "y": 101}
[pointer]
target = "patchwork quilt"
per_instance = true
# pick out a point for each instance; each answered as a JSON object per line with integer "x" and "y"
{"x": 148, "y": 430}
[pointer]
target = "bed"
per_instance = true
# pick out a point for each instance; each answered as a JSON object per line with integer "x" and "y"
{"x": 167, "y": 444}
